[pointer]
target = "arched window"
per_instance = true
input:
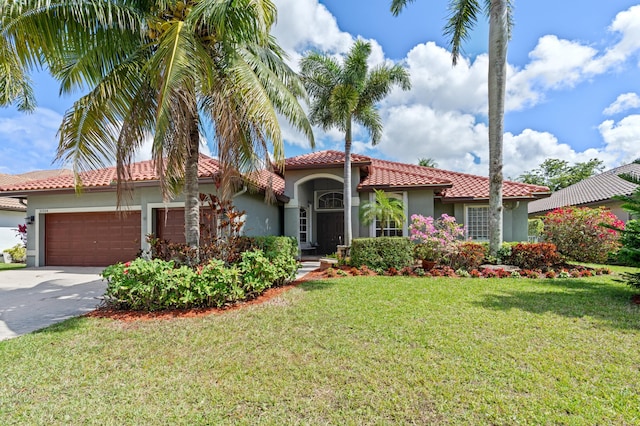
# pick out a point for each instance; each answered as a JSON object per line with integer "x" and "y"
{"x": 331, "y": 201}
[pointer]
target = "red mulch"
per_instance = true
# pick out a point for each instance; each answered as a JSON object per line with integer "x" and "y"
{"x": 129, "y": 316}
{"x": 635, "y": 299}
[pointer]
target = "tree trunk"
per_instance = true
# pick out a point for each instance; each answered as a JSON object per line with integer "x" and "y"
{"x": 191, "y": 193}
{"x": 347, "y": 185}
{"x": 498, "y": 39}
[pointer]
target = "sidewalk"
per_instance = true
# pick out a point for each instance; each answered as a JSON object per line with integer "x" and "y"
{"x": 307, "y": 266}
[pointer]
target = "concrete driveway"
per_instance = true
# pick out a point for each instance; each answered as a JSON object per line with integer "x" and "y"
{"x": 34, "y": 298}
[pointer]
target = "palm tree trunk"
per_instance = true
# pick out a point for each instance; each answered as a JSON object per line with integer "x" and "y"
{"x": 191, "y": 193}
{"x": 498, "y": 38}
{"x": 347, "y": 184}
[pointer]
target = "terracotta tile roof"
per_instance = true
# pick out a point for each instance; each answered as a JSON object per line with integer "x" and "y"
{"x": 7, "y": 180}
{"x": 595, "y": 189}
{"x": 328, "y": 158}
{"x": 11, "y": 204}
{"x": 143, "y": 171}
{"x": 384, "y": 173}
{"x": 390, "y": 174}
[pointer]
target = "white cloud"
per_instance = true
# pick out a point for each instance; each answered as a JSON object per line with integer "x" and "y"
{"x": 627, "y": 25}
{"x": 442, "y": 116}
{"x": 624, "y": 102}
{"x": 306, "y": 24}
{"x": 33, "y": 140}
{"x": 622, "y": 138}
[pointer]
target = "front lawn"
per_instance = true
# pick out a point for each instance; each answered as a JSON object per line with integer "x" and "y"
{"x": 363, "y": 350}
{"x": 7, "y": 266}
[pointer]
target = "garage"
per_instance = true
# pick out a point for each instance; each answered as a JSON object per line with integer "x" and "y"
{"x": 170, "y": 224}
{"x": 91, "y": 238}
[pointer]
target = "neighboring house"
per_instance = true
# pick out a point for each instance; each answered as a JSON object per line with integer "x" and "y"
{"x": 13, "y": 210}
{"x": 595, "y": 191}
{"x": 87, "y": 229}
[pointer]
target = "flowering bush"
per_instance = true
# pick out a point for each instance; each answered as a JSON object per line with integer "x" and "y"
{"x": 436, "y": 238}
{"x": 579, "y": 234}
{"x": 533, "y": 255}
{"x": 467, "y": 255}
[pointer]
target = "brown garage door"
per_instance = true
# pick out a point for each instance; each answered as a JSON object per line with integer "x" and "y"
{"x": 170, "y": 224}
{"x": 91, "y": 239}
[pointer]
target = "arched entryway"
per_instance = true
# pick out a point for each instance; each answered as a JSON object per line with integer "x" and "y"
{"x": 319, "y": 219}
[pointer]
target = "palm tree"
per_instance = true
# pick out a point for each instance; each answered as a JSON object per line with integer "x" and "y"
{"x": 427, "y": 162}
{"x": 167, "y": 69}
{"x": 462, "y": 20}
{"x": 384, "y": 208}
{"x": 342, "y": 94}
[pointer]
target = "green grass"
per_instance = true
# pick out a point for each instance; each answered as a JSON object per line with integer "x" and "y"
{"x": 7, "y": 266}
{"x": 375, "y": 350}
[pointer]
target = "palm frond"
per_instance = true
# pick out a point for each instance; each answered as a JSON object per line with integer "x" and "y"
{"x": 370, "y": 119}
{"x": 398, "y": 5}
{"x": 462, "y": 19}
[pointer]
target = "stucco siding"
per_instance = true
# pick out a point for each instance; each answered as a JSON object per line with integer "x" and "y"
{"x": 261, "y": 219}
{"x": 9, "y": 221}
{"x": 420, "y": 202}
{"x": 519, "y": 223}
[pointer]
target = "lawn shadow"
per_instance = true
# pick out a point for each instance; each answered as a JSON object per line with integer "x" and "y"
{"x": 317, "y": 285}
{"x": 571, "y": 298}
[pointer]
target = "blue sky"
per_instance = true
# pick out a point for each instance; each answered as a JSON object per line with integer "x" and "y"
{"x": 573, "y": 90}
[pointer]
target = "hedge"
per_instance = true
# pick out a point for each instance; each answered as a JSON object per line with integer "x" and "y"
{"x": 382, "y": 253}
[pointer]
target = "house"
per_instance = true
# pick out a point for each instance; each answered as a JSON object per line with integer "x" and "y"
{"x": 314, "y": 183}
{"x": 13, "y": 210}
{"x": 595, "y": 191}
{"x": 88, "y": 228}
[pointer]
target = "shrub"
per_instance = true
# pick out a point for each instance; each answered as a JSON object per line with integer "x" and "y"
{"x": 436, "y": 238}
{"x": 157, "y": 284}
{"x": 467, "y": 255}
{"x": 282, "y": 253}
{"x": 579, "y": 233}
{"x": 382, "y": 253}
{"x": 629, "y": 254}
{"x": 18, "y": 253}
{"x": 257, "y": 272}
{"x": 147, "y": 285}
{"x": 533, "y": 256}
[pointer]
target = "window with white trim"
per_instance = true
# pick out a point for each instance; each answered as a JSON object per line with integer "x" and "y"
{"x": 477, "y": 223}
{"x": 331, "y": 201}
{"x": 390, "y": 228}
{"x": 303, "y": 232}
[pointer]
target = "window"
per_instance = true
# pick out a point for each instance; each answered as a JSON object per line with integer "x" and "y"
{"x": 390, "y": 228}
{"x": 331, "y": 201}
{"x": 477, "y": 223}
{"x": 304, "y": 226}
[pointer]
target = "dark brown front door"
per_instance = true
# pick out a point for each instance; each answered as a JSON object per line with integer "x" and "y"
{"x": 91, "y": 239}
{"x": 330, "y": 232}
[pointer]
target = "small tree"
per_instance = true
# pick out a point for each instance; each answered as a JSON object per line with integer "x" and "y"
{"x": 558, "y": 174}
{"x": 579, "y": 232}
{"x": 385, "y": 209}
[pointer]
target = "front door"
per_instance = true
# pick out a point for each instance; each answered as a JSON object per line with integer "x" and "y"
{"x": 330, "y": 232}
